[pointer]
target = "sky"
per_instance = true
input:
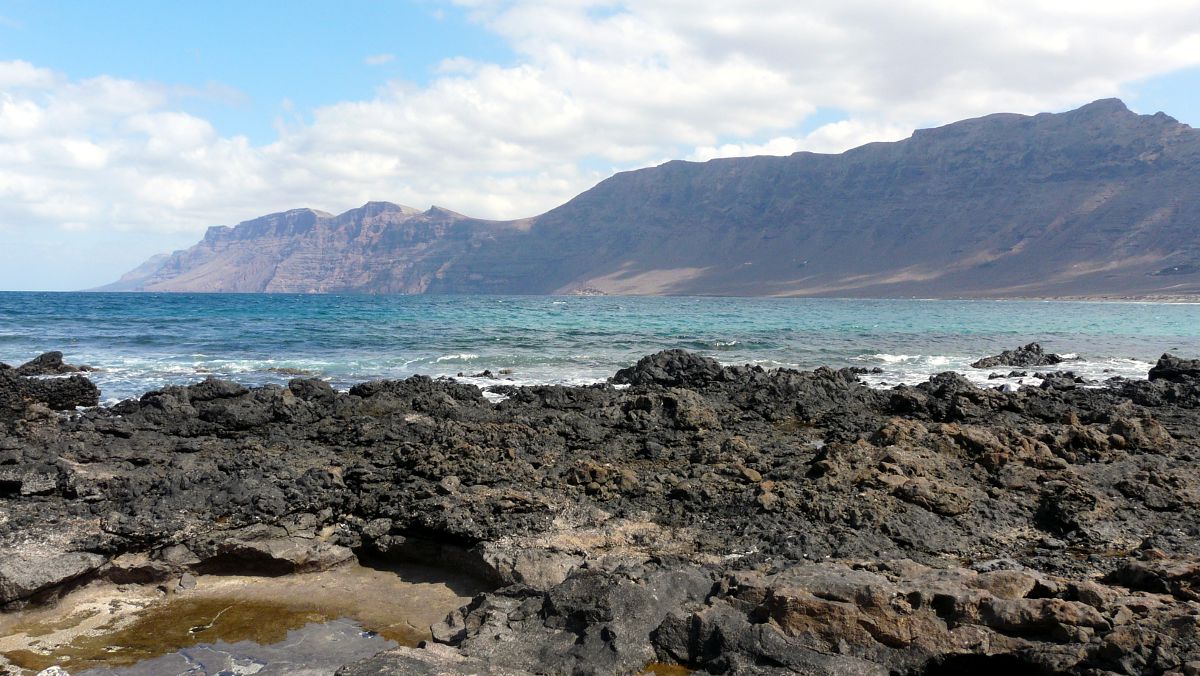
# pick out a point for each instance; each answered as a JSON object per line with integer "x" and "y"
{"x": 127, "y": 128}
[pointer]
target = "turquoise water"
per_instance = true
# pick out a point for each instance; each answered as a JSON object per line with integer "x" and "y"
{"x": 142, "y": 341}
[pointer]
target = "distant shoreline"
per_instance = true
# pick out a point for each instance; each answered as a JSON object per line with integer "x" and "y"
{"x": 1182, "y": 298}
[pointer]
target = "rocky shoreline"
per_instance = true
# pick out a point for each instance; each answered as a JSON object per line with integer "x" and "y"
{"x": 727, "y": 519}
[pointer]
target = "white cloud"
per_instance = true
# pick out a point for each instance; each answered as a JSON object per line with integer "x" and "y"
{"x": 593, "y": 85}
{"x": 22, "y": 74}
{"x": 829, "y": 138}
{"x": 379, "y": 59}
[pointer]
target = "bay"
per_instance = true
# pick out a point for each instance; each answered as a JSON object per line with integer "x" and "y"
{"x": 143, "y": 341}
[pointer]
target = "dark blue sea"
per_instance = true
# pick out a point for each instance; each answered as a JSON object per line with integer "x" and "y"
{"x": 143, "y": 341}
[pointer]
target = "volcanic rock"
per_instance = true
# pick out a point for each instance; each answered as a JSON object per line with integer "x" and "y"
{"x": 62, "y": 394}
{"x": 18, "y": 393}
{"x": 23, "y": 575}
{"x": 1024, "y": 357}
{"x": 733, "y": 519}
{"x": 671, "y": 368}
{"x": 49, "y": 364}
{"x": 1176, "y": 370}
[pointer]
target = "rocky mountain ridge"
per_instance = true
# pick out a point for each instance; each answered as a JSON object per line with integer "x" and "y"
{"x": 1094, "y": 201}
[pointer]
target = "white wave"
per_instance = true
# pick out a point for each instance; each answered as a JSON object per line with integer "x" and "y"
{"x": 920, "y": 369}
{"x": 768, "y": 364}
{"x": 894, "y": 358}
{"x": 463, "y": 356}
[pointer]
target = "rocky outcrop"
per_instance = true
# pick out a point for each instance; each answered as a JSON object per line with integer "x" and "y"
{"x": 62, "y": 394}
{"x": 376, "y": 248}
{"x": 729, "y": 518}
{"x": 1023, "y": 357}
{"x": 269, "y": 550}
{"x": 24, "y": 575}
{"x": 1176, "y": 370}
{"x": 20, "y": 390}
{"x": 49, "y": 364}
{"x": 1094, "y": 201}
{"x": 671, "y": 368}
{"x": 878, "y": 618}
{"x": 901, "y": 617}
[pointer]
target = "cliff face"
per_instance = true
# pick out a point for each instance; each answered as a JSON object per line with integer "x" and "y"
{"x": 378, "y": 248}
{"x": 1095, "y": 201}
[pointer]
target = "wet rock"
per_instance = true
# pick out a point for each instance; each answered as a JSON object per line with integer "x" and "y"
{"x": 1022, "y": 357}
{"x": 49, "y": 364}
{"x": 1176, "y": 370}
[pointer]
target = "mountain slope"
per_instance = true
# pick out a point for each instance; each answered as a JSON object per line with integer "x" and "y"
{"x": 1096, "y": 201}
{"x": 379, "y": 247}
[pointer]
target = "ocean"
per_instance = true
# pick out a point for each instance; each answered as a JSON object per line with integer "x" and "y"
{"x": 144, "y": 341}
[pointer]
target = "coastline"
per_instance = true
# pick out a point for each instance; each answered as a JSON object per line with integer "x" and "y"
{"x": 727, "y": 518}
{"x": 1189, "y": 298}
{"x": 145, "y": 342}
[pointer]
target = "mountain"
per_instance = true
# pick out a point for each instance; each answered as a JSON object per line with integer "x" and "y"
{"x": 1095, "y": 201}
{"x": 135, "y": 279}
{"x": 377, "y": 248}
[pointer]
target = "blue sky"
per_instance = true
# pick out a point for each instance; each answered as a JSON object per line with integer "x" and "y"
{"x": 127, "y": 128}
{"x": 244, "y": 59}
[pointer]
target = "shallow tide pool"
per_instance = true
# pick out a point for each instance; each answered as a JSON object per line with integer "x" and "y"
{"x": 297, "y": 624}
